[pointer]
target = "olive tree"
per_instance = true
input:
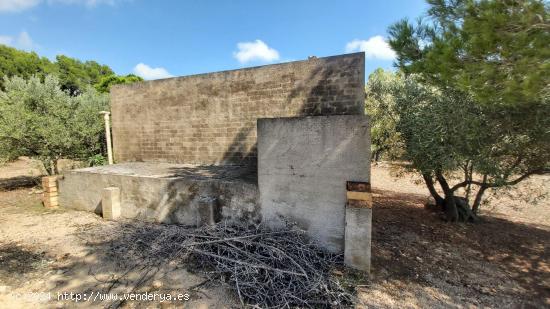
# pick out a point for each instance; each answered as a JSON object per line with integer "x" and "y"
{"x": 476, "y": 96}
{"x": 381, "y": 108}
{"x": 40, "y": 120}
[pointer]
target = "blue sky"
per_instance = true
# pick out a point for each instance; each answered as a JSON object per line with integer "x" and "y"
{"x": 171, "y": 38}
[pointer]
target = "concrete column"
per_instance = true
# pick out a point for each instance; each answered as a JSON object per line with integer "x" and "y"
{"x": 110, "y": 203}
{"x": 357, "y": 250}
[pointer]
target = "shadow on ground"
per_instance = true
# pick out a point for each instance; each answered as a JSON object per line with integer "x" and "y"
{"x": 416, "y": 256}
{"x": 494, "y": 262}
{"x": 15, "y": 259}
{"x": 18, "y": 182}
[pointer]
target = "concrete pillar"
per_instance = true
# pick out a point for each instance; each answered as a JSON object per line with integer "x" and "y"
{"x": 208, "y": 211}
{"x": 110, "y": 203}
{"x": 357, "y": 250}
{"x": 49, "y": 197}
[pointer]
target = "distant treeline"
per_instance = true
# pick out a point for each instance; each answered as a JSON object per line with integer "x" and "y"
{"x": 74, "y": 75}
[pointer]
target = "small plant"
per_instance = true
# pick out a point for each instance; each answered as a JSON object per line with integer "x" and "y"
{"x": 97, "y": 160}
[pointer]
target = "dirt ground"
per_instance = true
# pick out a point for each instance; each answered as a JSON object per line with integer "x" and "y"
{"x": 419, "y": 260}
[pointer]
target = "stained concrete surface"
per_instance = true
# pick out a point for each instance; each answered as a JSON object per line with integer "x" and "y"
{"x": 357, "y": 252}
{"x": 303, "y": 166}
{"x": 162, "y": 192}
{"x": 211, "y": 118}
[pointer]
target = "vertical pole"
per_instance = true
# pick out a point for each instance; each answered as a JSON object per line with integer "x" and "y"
{"x": 108, "y": 136}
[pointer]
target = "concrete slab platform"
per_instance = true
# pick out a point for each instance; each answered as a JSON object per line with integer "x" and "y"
{"x": 165, "y": 192}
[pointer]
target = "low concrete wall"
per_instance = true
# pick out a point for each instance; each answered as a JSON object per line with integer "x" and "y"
{"x": 303, "y": 166}
{"x": 158, "y": 197}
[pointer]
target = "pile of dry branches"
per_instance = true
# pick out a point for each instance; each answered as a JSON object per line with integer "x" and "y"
{"x": 267, "y": 269}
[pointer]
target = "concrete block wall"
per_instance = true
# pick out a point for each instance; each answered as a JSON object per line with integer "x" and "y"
{"x": 159, "y": 198}
{"x": 304, "y": 164}
{"x": 211, "y": 118}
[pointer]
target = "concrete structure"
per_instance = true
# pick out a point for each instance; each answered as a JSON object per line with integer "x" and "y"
{"x": 211, "y": 118}
{"x": 357, "y": 249}
{"x": 357, "y": 253}
{"x": 110, "y": 203}
{"x": 189, "y": 149}
{"x": 303, "y": 166}
{"x": 164, "y": 192}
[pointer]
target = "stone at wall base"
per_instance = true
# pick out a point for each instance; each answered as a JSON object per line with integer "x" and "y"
{"x": 357, "y": 250}
{"x": 110, "y": 203}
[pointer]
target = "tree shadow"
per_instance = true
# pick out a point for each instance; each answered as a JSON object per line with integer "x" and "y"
{"x": 320, "y": 97}
{"x": 14, "y": 259}
{"x": 19, "y": 182}
{"x": 214, "y": 172}
{"x": 494, "y": 263}
{"x": 492, "y": 259}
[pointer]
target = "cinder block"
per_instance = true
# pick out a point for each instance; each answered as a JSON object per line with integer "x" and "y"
{"x": 357, "y": 250}
{"x": 49, "y": 181}
{"x": 326, "y": 86}
{"x": 49, "y": 197}
{"x": 110, "y": 203}
{"x": 50, "y": 202}
{"x": 50, "y": 189}
{"x": 51, "y": 194}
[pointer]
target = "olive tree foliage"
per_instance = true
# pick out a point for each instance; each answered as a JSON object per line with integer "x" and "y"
{"x": 105, "y": 84}
{"x": 380, "y": 107}
{"x": 476, "y": 97}
{"x": 443, "y": 132}
{"x": 40, "y": 120}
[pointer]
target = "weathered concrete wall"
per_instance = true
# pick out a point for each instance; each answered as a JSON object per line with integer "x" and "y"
{"x": 165, "y": 193}
{"x": 303, "y": 166}
{"x": 211, "y": 118}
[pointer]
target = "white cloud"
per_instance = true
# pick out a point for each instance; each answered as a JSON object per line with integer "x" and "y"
{"x": 87, "y": 3}
{"x": 255, "y": 51}
{"x": 6, "y": 40}
{"x": 17, "y": 5}
{"x": 21, "y": 5}
{"x": 148, "y": 72}
{"x": 22, "y": 41}
{"x": 375, "y": 47}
